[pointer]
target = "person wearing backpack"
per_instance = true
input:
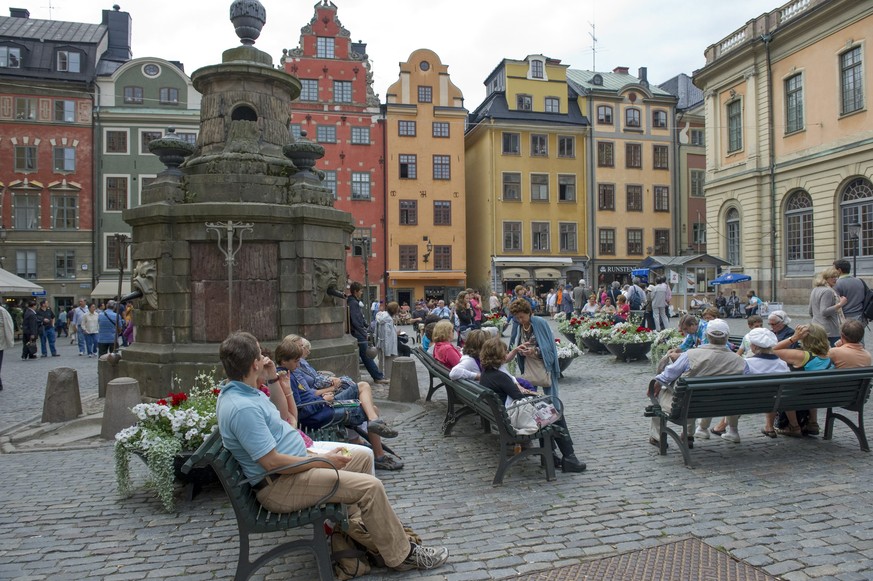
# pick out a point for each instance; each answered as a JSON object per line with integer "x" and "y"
{"x": 635, "y": 295}
{"x": 854, "y": 289}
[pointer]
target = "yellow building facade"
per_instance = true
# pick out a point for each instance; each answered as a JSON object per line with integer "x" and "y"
{"x": 526, "y": 194}
{"x": 425, "y": 182}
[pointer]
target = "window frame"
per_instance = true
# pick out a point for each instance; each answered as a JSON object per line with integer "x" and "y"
{"x": 133, "y": 95}
{"x": 407, "y": 166}
{"x": 659, "y": 119}
{"x": 442, "y": 212}
{"x": 330, "y": 181}
{"x": 512, "y": 231}
{"x": 634, "y": 247}
{"x": 441, "y": 129}
{"x": 605, "y": 115}
{"x": 26, "y": 109}
{"x": 539, "y": 145}
{"x": 408, "y": 212}
{"x": 26, "y": 158}
{"x": 64, "y": 149}
{"x": 28, "y": 257}
{"x": 425, "y": 94}
{"x": 10, "y": 57}
{"x": 539, "y": 187}
{"x": 633, "y": 118}
{"x": 107, "y": 141}
{"x": 793, "y": 87}
{"x": 64, "y": 216}
{"x": 563, "y": 190}
{"x": 403, "y": 128}
{"x": 661, "y": 198}
{"x": 606, "y": 241}
{"x": 605, "y": 197}
{"x": 342, "y": 91}
{"x": 851, "y": 80}
{"x": 442, "y": 167}
{"x": 360, "y": 184}
{"x": 26, "y": 211}
{"x": 568, "y": 241}
{"x": 537, "y": 69}
{"x": 605, "y": 154}
{"x": 523, "y": 102}
{"x": 325, "y": 134}
{"x": 633, "y": 155}
{"x": 660, "y": 157}
{"x": 442, "y": 257}
{"x": 661, "y": 242}
{"x": 734, "y": 115}
{"x": 65, "y": 116}
{"x": 308, "y": 90}
{"x": 732, "y": 236}
{"x": 166, "y": 96}
{"x": 65, "y": 264}
{"x": 565, "y": 143}
{"x": 325, "y": 47}
{"x": 360, "y": 135}
{"x": 113, "y": 191}
{"x": 696, "y": 182}
{"x": 507, "y": 185}
{"x": 541, "y": 231}
{"x": 634, "y": 201}
{"x": 407, "y": 257}
{"x": 67, "y": 54}
{"x": 552, "y": 105}
{"x": 143, "y": 143}
{"x": 514, "y": 143}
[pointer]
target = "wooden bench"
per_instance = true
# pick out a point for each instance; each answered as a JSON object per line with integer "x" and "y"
{"x": 252, "y": 518}
{"x": 466, "y": 397}
{"x": 733, "y": 395}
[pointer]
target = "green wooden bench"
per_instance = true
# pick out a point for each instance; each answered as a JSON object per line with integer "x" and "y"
{"x": 732, "y": 395}
{"x": 466, "y": 398}
{"x": 252, "y": 518}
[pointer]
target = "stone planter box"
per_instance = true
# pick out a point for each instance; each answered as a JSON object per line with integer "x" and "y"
{"x": 594, "y": 345}
{"x": 629, "y": 351}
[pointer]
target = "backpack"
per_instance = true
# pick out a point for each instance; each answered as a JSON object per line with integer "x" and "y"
{"x": 635, "y": 299}
{"x": 867, "y": 305}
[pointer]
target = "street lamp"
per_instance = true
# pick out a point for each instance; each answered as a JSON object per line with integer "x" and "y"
{"x": 426, "y": 256}
{"x": 855, "y": 234}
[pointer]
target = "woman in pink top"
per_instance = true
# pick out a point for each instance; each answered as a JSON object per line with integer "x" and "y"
{"x": 443, "y": 350}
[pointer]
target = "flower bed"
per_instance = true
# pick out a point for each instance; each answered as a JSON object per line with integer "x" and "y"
{"x": 628, "y": 333}
{"x": 494, "y": 320}
{"x": 593, "y": 328}
{"x": 665, "y": 340}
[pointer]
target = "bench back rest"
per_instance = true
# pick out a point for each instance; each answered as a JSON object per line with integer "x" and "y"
{"x": 747, "y": 394}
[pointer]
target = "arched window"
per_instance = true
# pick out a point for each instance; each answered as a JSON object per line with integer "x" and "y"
{"x": 856, "y": 207}
{"x": 799, "y": 254}
{"x": 732, "y": 227}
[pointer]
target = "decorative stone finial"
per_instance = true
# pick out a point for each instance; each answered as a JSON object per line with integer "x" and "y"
{"x": 171, "y": 150}
{"x": 248, "y": 18}
{"x": 304, "y": 153}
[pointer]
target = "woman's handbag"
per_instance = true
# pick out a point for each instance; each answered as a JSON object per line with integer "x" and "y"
{"x": 31, "y": 347}
{"x": 530, "y": 414}
{"x": 535, "y": 372}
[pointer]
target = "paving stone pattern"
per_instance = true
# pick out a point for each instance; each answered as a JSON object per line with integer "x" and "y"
{"x": 795, "y": 508}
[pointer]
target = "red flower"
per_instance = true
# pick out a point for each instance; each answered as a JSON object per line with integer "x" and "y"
{"x": 162, "y": 402}
{"x": 216, "y": 391}
{"x": 176, "y": 399}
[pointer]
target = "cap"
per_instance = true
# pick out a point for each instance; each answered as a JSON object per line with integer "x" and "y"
{"x": 717, "y": 328}
{"x": 762, "y": 337}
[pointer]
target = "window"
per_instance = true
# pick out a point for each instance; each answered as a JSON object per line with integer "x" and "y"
{"x": 634, "y": 198}
{"x": 662, "y": 242}
{"x": 64, "y": 159}
{"x": 408, "y": 257}
{"x": 567, "y": 237}
{"x": 659, "y": 118}
{"x": 25, "y": 263}
{"x": 697, "y": 179}
{"x": 732, "y": 228}
{"x": 635, "y": 241}
{"x": 698, "y": 233}
{"x": 632, "y": 117}
{"x": 116, "y": 141}
{"x": 408, "y": 165}
{"x": 308, "y": 89}
{"x": 187, "y": 137}
{"x": 133, "y": 95}
{"x": 408, "y": 212}
{"x": 566, "y": 188}
{"x": 698, "y": 137}
{"x": 440, "y": 129}
{"x": 65, "y": 264}
{"x": 114, "y": 253}
{"x": 425, "y": 94}
{"x": 851, "y": 82}
{"x": 25, "y": 158}
{"x": 442, "y": 213}
{"x": 69, "y": 61}
{"x": 362, "y": 243}
{"x": 539, "y": 145}
{"x": 794, "y": 103}
{"x": 536, "y": 69}
{"x": 442, "y": 167}
{"x": 662, "y": 198}
{"x": 361, "y": 135}
{"x": 325, "y": 133}
{"x": 330, "y": 180}
{"x": 566, "y": 146}
{"x": 116, "y": 194}
{"x": 539, "y": 187}
{"x": 25, "y": 108}
{"x": 661, "y": 157}
{"x": 442, "y": 257}
{"x": 360, "y": 185}
{"x": 25, "y": 208}
{"x": 856, "y": 207}
{"x": 145, "y": 138}
{"x": 511, "y": 186}
{"x": 65, "y": 111}
{"x": 324, "y": 47}
{"x": 10, "y": 57}
{"x": 605, "y": 154}
{"x": 735, "y": 125}
{"x": 406, "y": 128}
{"x": 524, "y": 102}
{"x": 606, "y": 239}
{"x": 512, "y": 236}
{"x": 604, "y": 115}
{"x": 511, "y": 143}
{"x": 606, "y": 197}
{"x": 540, "y": 236}
{"x": 553, "y": 105}
{"x": 169, "y": 96}
{"x": 342, "y": 91}
{"x": 295, "y": 129}
{"x": 633, "y": 153}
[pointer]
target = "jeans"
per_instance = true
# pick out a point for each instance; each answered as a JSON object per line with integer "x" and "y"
{"x": 90, "y": 343}
{"x": 47, "y": 334}
{"x": 371, "y": 366}
{"x": 661, "y": 320}
{"x": 82, "y": 341}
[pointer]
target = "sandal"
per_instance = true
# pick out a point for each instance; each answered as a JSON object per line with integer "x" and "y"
{"x": 812, "y": 429}
{"x": 790, "y": 431}
{"x": 769, "y": 433}
{"x": 716, "y": 431}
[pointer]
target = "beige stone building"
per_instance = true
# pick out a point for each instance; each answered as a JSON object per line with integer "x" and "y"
{"x": 789, "y": 144}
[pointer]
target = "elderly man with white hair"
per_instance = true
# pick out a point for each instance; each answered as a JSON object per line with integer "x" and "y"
{"x": 780, "y": 322}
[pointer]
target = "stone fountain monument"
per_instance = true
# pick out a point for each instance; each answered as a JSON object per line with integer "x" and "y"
{"x": 237, "y": 232}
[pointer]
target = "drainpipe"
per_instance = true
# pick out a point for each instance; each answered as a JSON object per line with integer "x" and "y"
{"x": 95, "y": 183}
{"x": 767, "y": 39}
{"x": 592, "y": 197}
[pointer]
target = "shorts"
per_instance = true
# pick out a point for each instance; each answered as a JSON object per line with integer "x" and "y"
{"x": 349, "y": 416}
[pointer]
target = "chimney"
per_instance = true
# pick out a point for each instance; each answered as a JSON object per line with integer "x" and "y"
{"x": 620, "y": 70}
{"x": 119, "y": 25}
{"x": 19, "y": 13}
{"x": 643, "y": 76}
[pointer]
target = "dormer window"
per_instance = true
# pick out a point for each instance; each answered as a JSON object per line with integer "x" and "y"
{"x": 69, "y": 61}
{"x": 536, "y": 69}
{"x": 10, "y": 57}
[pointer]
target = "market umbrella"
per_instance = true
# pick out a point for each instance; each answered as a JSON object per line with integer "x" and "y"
{"x": 729, "y": 278}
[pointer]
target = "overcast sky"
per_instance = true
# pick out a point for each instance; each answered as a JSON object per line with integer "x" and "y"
{"x": 471, "y": 37}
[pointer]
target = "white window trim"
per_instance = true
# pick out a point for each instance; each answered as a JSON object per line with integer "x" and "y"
{"x": 105, "y": 259}
{"x": 530, "y": 76}
{"x": 106, "y": 131}
{"x": 520, "y": 235}
{"x": 105, "y": 191}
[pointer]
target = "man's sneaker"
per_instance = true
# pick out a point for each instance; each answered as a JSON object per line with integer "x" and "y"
{"x": 701, "y": 434}
{"x": 424, "y": 558}
{"x": 380, "y": 428}
{"x": 386, "y": 462}
{"x": 731, "y": 437}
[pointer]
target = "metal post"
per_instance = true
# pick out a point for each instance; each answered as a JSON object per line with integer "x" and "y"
{"x": 365, "y": 255}
{"x": 121, "y": 241}
{"x": 855, "y": 233}
{"x": 229, "y": 250}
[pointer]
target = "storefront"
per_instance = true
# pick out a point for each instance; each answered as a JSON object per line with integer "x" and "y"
{"x": 411, "y": 286}
{"x": 616, "y": 271}
{"x": 538, "y": 272}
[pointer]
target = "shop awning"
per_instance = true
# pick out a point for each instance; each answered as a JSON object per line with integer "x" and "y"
{"x": 515, "y": 274}
{"x": 108, "y": 289}
{"x": 12, "y": 284}
{"x": 532, "y": 261}
{"x": 547, "y": 274}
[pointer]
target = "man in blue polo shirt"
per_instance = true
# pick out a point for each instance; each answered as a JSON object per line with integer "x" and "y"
{"x": 261, "y": 441}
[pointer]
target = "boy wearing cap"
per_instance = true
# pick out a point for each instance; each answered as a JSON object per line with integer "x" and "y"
{"x": 763, "y": 360}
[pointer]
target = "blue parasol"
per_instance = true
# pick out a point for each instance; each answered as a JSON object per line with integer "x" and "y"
{"x": 729, "y": 278}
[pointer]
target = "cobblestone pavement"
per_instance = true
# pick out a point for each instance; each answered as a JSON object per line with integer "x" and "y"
{"x": 797, "y": 508}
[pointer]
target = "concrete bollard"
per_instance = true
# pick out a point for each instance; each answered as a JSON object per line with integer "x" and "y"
{"x": 62, "y": 401}
{"x": 107, "y": 370}
{"x": 121, "y": 394}
{"x": 404, "y": 380}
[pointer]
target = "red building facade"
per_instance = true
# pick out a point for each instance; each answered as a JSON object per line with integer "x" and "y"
{"x": 338, "y": 109}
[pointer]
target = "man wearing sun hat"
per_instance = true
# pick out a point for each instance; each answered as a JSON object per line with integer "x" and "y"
{"x": 763, "y": 360}
{"x": 713, "y": 358}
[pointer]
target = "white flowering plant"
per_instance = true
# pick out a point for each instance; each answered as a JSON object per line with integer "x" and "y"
{"x": 494, "y": 320}
{"x": 628, "y": 333}
{"x": 180, "y": 422}
{"x": 664, "y": 340}
{"x": 594, "y": 328}
{"x": 566, "y": 349}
